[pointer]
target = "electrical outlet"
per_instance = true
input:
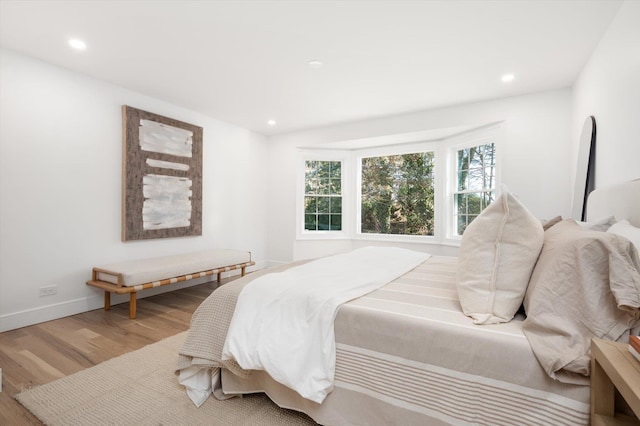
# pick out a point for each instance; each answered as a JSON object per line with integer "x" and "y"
{"x": 48, "y": 291}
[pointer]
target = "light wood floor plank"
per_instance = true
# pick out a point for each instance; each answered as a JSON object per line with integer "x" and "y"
{"x": 41, "y": 353}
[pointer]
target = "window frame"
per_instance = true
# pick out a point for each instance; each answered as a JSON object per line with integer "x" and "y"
{"x": 445, "y": 179}
{"x": 488, "y": 134}
{"x": 388, "y": 150}
{"x": 344, "y": 158}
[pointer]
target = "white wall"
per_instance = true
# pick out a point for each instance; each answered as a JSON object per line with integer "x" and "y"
{"x": 537, "y": 156}
{"x": 60, "y": 168}
{"x": 60, "y": 188}
{"x": 609, "y": 89}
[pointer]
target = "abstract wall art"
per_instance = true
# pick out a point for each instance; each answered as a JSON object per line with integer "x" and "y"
{"x": 162, "y": 176}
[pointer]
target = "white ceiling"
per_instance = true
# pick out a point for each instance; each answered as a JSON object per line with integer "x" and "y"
{"x": 245, "y": 62}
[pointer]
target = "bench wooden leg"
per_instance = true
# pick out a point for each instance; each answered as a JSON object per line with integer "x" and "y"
{"x": 242, "y": 271}
{"x": 107, "y": 301}
{"x": 219, "y": 276}
{"x": 132, "y": 305}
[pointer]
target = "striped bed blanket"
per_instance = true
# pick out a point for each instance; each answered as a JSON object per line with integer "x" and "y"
{"x": 405, "y": 354}
{"x": 283, "y": 322}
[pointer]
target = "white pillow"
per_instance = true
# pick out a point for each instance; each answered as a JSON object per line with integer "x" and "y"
{"x": 601, "y": 224}
{"x": 627, "y": 230}
{"x": 498, "y": 252}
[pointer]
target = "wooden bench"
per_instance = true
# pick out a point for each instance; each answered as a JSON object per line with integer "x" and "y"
{"x": 136, "y": 275}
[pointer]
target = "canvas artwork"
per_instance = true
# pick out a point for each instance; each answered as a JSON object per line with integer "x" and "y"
{"x": 162, "y": 176}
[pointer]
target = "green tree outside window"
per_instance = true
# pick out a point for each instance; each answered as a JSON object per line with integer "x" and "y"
{"x": 323, "y": 196}
{"x": 475, "y": 183}
{"x": 397, "y": 194}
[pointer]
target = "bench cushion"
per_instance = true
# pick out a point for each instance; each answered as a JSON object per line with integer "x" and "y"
{"x": 141, "y": 271}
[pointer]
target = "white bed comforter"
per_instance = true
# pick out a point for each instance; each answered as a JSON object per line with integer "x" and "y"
{"x": 283, "y": 322}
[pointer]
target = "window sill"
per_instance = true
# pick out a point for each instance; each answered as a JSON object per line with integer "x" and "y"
{"x": 403, "y": 239}
{"x": 322, "y": 235}
{"x": 408, "y": 239}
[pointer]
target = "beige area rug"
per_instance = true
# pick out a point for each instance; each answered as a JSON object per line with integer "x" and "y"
{"x": 140, "y": 388}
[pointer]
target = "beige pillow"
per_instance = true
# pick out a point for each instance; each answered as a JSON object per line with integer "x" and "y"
{"x": 586, "y": 284}
{"x": 627, "y": 230}
{"x": 601, "y": 224}
{"x": 549, "y": 223}
{"x": 498, "y": 252}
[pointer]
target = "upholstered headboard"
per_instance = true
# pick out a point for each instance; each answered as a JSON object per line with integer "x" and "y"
{"x": 621, "y": 200}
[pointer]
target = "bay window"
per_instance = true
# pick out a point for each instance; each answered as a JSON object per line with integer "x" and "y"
{"x": 403, "y": 191}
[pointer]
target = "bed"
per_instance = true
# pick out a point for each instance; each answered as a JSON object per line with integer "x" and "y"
{"x": 410, "y": 353}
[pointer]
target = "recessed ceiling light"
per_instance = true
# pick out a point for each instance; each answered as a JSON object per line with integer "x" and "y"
{"x": 271, "y": 122}
{"x": 315, "y": 64}
{"x": 77, "y": 44}
{"x": 507, "y": 78}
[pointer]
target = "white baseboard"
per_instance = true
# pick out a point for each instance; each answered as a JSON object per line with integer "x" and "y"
{"x": 270, "y": 263}
{"x": 50, "y": 312}
{"x": 67, "y": 308}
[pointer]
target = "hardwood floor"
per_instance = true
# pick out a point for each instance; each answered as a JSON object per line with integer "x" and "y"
{"x": 44, "y": 352}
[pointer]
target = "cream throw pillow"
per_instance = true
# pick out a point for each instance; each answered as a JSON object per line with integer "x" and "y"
{"x": 498, "y": 252}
